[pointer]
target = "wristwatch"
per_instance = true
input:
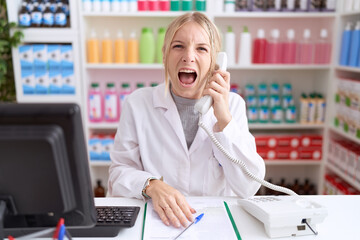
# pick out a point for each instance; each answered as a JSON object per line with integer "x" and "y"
{"x": 146, "y": 185}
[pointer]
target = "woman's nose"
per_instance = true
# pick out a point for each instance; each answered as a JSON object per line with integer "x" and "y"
{"x": 189, "y": 56}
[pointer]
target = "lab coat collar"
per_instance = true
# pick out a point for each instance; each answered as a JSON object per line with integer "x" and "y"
{"x": 171, "y": 113}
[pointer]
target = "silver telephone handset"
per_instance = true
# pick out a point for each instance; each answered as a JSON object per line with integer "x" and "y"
{"x": 308, "y": 212}
{"x": 205, "y": 103}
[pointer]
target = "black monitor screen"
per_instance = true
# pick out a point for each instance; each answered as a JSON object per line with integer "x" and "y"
{"x": 44, "y": 171}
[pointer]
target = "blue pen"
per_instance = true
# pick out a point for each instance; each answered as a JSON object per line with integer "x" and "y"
{"x": 197, "y": 219}
{"x": 62, "y": 232}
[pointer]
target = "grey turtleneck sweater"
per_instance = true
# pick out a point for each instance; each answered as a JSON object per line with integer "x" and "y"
{"x": 188, "y": 115}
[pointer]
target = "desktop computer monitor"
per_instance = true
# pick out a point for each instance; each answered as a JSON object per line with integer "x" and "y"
{"x": 44, "y": 169}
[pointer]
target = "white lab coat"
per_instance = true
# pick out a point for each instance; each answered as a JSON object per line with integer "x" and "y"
{"x": 150, "y": 142}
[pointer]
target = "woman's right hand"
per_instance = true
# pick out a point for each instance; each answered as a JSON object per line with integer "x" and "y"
{"x": 170, "y": 204}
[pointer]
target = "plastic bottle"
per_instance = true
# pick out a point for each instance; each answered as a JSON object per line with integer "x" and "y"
{"x": 153, "y": 5}
{"x": 105, "y": 5}
{"x": 96, "y": 5}
{"x": 345, "y": 45}
{"x": 24, "y": 16}
{"x": 304, "y": 106}
{"x": 159, "y": 45}
{"x": 132, "y": 6}
{"x": 164, "y": 5}
{"x": 289, "y": 48}
{"x": 245, "y": 47}
{"x": 48, "y": 16}
{"x": 143, "y": 5}
{"x": 356, "y": 6}
{"x": 323, "y": 48}
{"x": 124, "y": 92}
{"x": 200, "y": 5}
{"x": 93, "y": 53}
{"x": 99, "y": 190}
{"x": 186, "y": 5}
{"x": 124, "y": 6}
{"x": 60, "y": 16}
{"x": 119, "y": 48}
{"x": 95, "y": 103}
{"x": 306, "y": 48}
{"x": 147, "y": 46}
{"x": 302, "y": 6}
{"x": 229, "y": 5}
{"x": 115, "y": 5}
{"x": 111, "y": 105}
{"x": 260, "y": 45}
{"x": 273, "y": 54}
{"x": 320, "y": 109}
{"x": 36, "y": 16}
{"x": 219, "y": 6}
{"x": 133, "y": 49}
{"x": 355, "y": 46}
{"x": 106, "y": 48}
{"x": 230, "y": 46}
{"x": 175, "y": 5}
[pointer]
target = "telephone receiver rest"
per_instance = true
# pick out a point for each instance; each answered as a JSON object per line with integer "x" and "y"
{"x": 205, "y": 102}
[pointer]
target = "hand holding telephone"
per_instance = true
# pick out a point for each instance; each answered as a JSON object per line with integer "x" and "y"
{"x": 282, "y": 216}
{"x": 205, "y": 103}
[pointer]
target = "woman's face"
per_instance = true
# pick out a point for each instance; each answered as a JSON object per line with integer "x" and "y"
{"x": 189, "y": 61}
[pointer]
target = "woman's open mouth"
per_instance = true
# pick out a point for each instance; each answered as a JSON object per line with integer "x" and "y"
{"x": 187, "y": 77}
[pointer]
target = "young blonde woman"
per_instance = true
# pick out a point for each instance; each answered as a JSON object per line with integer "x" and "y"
{"x": 161, "y": 153}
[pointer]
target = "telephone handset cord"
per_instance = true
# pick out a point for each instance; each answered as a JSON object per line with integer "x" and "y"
{"x": 242, "y": 164}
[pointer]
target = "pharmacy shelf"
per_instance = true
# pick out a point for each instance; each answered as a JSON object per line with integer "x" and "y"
{"x": 100, "y": 163}
{"x": 231, "y": 67}
{"x": 124, "y": 66}
{"x": 351, "y": 13}
{"x": 48, "y": 35}
{"x": 145, "y": 14}
{"x": 21, "y": 98}
{"x": 276, "y": 15}
{"x": 348, "y": 69}
{"x": 345, "y": 135}
{"x": 103, "y": 126}
{"x": 345, "y": 177}
{"x": 292, "y": 162}
{"x": 280, "y": 67}
{"x": 297, "y": 126}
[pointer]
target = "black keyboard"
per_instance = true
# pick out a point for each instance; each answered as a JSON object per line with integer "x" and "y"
{"x": 110, "y": 220}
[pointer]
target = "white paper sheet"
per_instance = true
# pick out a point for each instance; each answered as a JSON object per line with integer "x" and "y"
{"x": 215, "y": 223}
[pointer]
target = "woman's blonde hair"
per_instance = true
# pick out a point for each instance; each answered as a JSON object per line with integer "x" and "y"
{"x": 206, "y": 24}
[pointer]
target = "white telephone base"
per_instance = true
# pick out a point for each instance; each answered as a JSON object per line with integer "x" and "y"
{"x": 283, "y": 216}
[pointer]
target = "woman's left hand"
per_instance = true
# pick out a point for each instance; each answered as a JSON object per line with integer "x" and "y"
{"x": 218, "y": 88}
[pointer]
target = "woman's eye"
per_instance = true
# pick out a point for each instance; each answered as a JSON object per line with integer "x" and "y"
{"x": 177, "y": 46}
{"x": 202, "y": 49}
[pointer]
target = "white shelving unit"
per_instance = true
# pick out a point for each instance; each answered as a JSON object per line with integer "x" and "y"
{"x": 341, "y": 72}
{"x": 44, "y": 36}
{"x": 304, "y": 78}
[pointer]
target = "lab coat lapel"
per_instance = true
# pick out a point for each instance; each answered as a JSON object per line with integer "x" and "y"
{"x": 171, "y": 113}
{"x": 201, "y": 135}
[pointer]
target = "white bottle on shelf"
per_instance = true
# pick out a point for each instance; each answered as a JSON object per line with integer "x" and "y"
{"x": 229, "y": 5}
{"x": 96, "y": 5}
{"x": 87, "y": 5}
{"x": 133, "y": 6}
{"x": 115, "y": 5}
{"x": 124, "y": 6}
{"x": 230, "y": 46}
{"x": 245, "y": 48}
{"x": 219, "y": 6}
{"x": 105, "y": 5}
